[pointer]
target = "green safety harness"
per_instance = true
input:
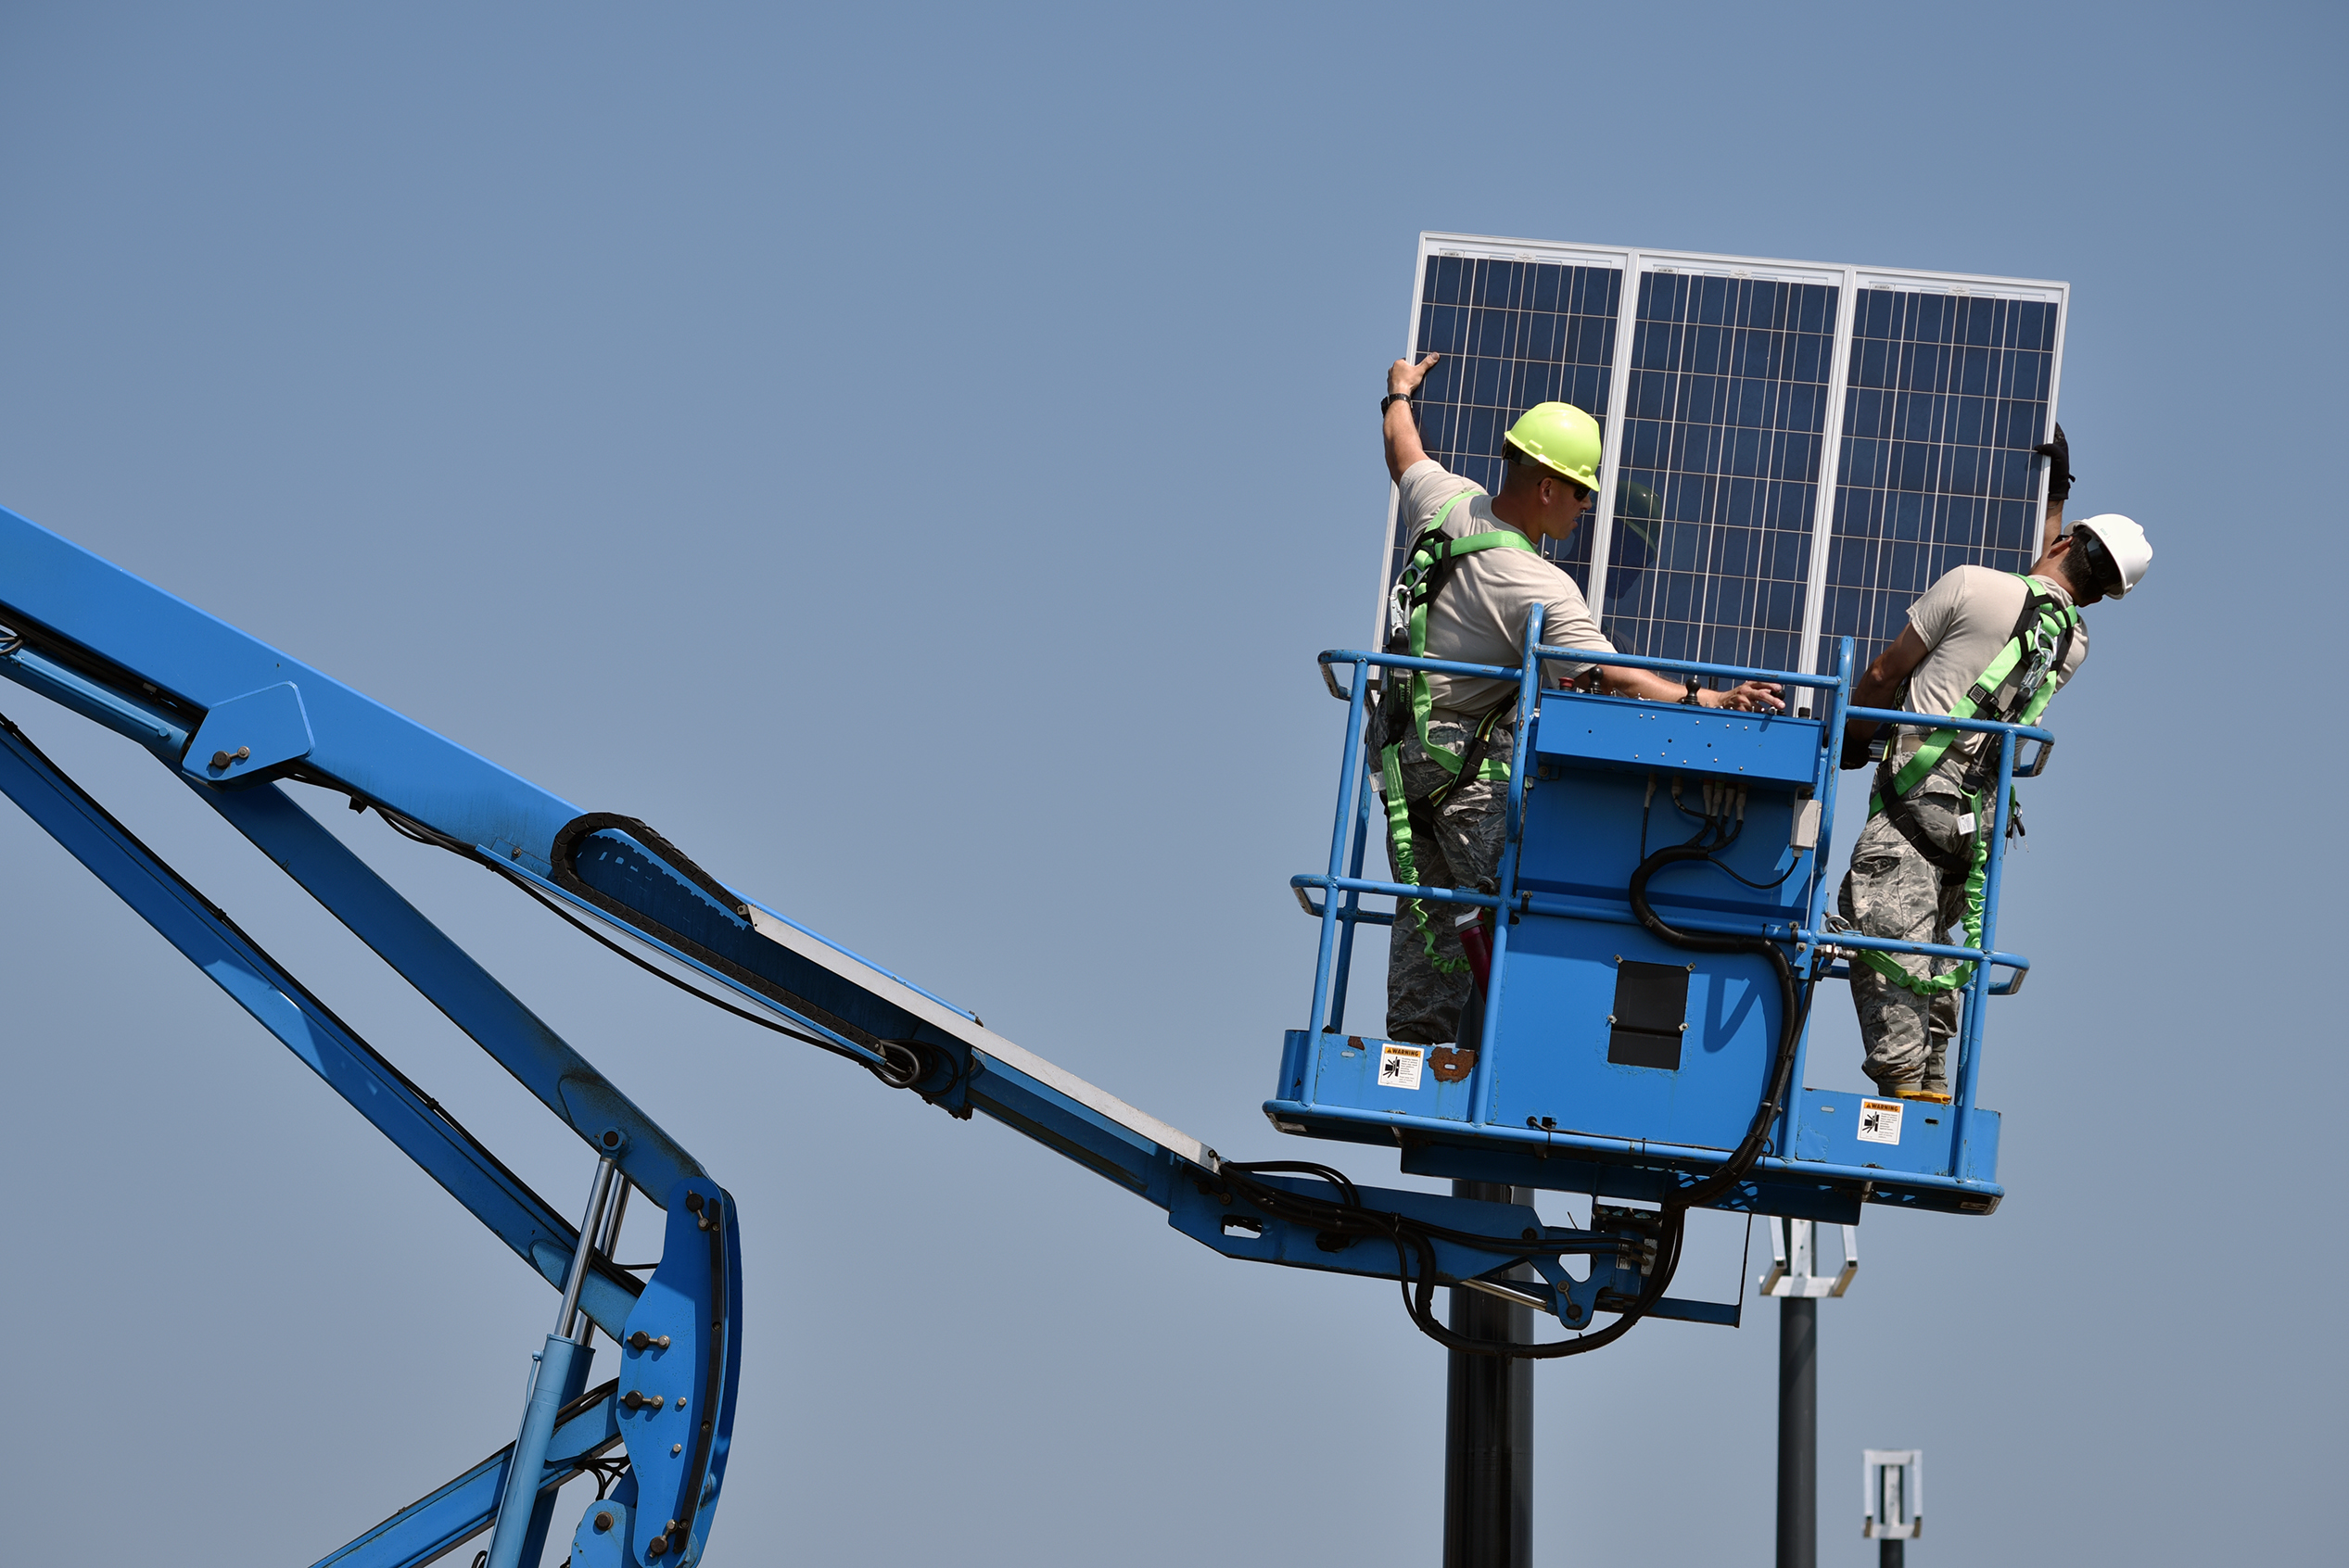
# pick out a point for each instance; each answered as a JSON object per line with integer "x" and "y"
{"x": 1403, "y": 706}
{"x": 2014, "y": 689}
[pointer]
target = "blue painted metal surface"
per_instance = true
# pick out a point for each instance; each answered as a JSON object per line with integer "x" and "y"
{"x": 249, "y": 736}
{"x": 561, "y": 1368}
{"x": 448, "y": 1516}
{"x": 557, "y": 1374}
{"x": 601, "y": 1539}
{"x": 1238, "y": 1229}
{"x": 1548, "y": 1091}
{"x": 680, "y": 1366}
{"x": 1605, "y": 733}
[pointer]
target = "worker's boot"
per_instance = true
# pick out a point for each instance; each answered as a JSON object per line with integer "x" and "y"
{"x": 1924, "y": 1089}
{"x": 1936, "y": 1086}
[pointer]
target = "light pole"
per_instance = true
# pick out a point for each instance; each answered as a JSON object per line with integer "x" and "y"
{"x": 1488, "y": 1429}
{"x": 1794, "y": 1280}
{"x": 1893, "y": 1479}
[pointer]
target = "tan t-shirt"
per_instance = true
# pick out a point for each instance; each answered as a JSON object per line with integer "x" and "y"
{"x": 1479, "y": 619}
{"x": 1964, "y": 619}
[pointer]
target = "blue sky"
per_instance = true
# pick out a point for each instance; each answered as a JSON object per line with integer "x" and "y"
{"x": 912, "y": 456}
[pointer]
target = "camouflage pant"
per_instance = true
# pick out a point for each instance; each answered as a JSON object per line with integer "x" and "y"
{"x": 1893, "y": 890}
{"x": 1456, "y": 844}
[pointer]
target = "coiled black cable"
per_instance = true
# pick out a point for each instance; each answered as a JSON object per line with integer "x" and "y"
{"x": 903, "y": 1065}
{"x": 1342, "y": 1224}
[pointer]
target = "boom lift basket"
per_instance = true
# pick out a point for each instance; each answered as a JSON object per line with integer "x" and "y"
{"x": 1601, "y": 1057}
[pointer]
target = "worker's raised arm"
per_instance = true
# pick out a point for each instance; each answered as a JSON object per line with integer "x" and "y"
{"x": 1877, "y": 687}
{"x": 1401, "y": 428}
{"x": 2058, "y": 453}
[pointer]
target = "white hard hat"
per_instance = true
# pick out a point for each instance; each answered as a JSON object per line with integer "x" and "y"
{"x": 2123, "y": 544}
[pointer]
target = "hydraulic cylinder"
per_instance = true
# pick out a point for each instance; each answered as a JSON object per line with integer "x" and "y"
{"x": 528, "y": 1464}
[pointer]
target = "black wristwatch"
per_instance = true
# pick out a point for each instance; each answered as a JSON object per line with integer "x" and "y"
{"x": 1392, "y": 399}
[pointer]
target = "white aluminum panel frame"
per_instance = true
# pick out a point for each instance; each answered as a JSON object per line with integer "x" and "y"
{"x": 1822, "y": 517}
{"x": 1636, "y": 262}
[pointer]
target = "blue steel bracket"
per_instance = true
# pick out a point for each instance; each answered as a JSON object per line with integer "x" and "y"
{"x": 1621, "y": 1253}
{"x": 601, "y": 1539}
{"x": 680, "y": 1364}
{"x": 249, "y": 736}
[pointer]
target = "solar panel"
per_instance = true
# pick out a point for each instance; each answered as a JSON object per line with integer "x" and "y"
{"x": 1794, "y": 450}
{"x": 1947, "y": 397}
{"x": 1718, "y": 476}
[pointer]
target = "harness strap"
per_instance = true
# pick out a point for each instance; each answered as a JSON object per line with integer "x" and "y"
{"x": 2013, "y": 687}
{"x": 1472, "y": 757}
{"x": 1904, "y": 820}
{"x": 1433, "y": 560}
{"x": 1976, "y": 870}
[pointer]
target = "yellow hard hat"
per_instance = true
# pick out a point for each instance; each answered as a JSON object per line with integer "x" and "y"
{"x": 1561, "y": 438}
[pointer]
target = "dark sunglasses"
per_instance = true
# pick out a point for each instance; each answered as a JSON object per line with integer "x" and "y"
{"x": 2102, "y": 570}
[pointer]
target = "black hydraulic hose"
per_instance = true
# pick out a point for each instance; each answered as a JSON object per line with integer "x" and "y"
{"x": 1341, "y": 1224}
{"x": 904, "y": 1063}
{"x": 1791, "y": 1001}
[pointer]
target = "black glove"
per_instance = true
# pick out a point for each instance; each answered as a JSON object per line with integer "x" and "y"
{"x": 1856, "y": 742}
{"x": 2058, "y": 468}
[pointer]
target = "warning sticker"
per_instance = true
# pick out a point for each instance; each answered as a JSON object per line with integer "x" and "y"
{"x": 1399, "y": 1065}
{"x": 1879, "y": 1121}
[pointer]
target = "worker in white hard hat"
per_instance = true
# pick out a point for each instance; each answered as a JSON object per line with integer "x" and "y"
{"x": 1472, "y": 575}
{"x": 1980, "y": 644}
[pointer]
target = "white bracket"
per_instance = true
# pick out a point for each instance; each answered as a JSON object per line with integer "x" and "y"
{"x": 1794, "y": 1256}
{"x": 1894, "y": 1480}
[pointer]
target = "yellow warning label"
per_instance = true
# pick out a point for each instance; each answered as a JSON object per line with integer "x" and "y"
{"x": 1399, "y": 1065}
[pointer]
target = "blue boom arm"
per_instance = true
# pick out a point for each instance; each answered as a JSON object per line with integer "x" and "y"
{"x": 234, "y": 717}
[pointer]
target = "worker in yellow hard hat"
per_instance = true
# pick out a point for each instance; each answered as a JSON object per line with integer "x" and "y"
{"x": 1473, "y": 574}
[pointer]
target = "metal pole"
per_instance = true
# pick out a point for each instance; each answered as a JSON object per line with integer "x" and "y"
{"x": 1892, "y": 1554}
{"x": 527, "y": 1468}
{"x": 1349, "y": 780}
{"x": 1488, "y": 1429}
{"x": 1799, "y": 1431}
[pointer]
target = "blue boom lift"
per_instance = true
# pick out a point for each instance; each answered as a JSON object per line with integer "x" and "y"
{"x": 1641, "y": 1034}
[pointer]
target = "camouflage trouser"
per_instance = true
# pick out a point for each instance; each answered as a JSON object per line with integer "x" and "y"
{"x": 1456, "y": 844}
{"x": 1893, "y": 890}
